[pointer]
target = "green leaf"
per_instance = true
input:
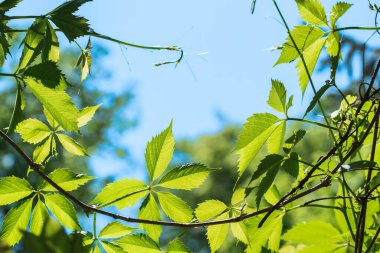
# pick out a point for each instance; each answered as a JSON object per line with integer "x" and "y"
{"x": 121, "y": 193}
{"x": 217, "y": 234}
{"x": 275, "y": 237}
{"x": 149, "y": 211}
{"x": 39, "y": 216}
{"x": 97, "y": 249}
{"x": 186, "y": 177}
{"x": 111, "y": 247}
{"x": 270, "y": 161}
{"x": 86, "y": 114}
{"x": 277, "y": 96}
{"x": 209, "y": 209}
{"x": 33, "y": 42}
{"x": 46, "y": 72}
{"x": 310, "y": 56}
{"x": 57, "y": 102}
{"x": 316, "y": 98}
{"x": 293, "y": 140}
{"x": 72, "y": 26}
{"x": 291, "y": 165}
{"x": 314, "y": 232}
{"x": 6, "y": 5}
{"x": 16, "y": 221}
{"x": 260, "y": 236}
{"x": 13, "y": 189}
{"x": 159, "y": 152}
{"x": 266, "y": 182}
{"x": 138, "y": 243}
{"x": 66, "y": 179}
{"x": 289, "y": 103}
{"x": 115, "y": 230}
{"x": 33, "y": 131}
{"x": 312, "y": 12}
{"x": 238, "y": 196}
{"x": 71, "y": 146}
{"x": 272, "y": 196}
{"x": 42, "y": 152}
{"x": 256, "y": 131}
{"x": 50, "y": 49}
{"x": 239, "y": 231}
{"x": 333, "y": 44}
{"x": 176, "y": 246}
{"x": 303, "y": 36}
{"x": 63, "y": 210}
{"x": 17, "y": 110}
{"x": 174, "y": 207}
{"x": 337, "y": 11}
{"x": 275, "y": 140}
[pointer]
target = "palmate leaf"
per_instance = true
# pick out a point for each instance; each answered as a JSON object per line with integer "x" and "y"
{"x": 33, "y": 131}
{"x": 277, "y": 96}
{"x": 46, "y": 149}
{"x": 303, "y": 36}
{"x": 209, "y": 209}
{"x": 337, "y": 11}
{"x": 333, "y": 44}
{"x": 16, "y": 221}
{"x": 66, "y": 179}
{"x": 149, "y": 211}
{"x": 186, "y": 177}
{"x": 13, "y": 189}
{"x": 176, "y": 246}
{"x": 63, "y": 210}
{"x": 115, "y": 230}
{"x": 267, "y": 164}
{"x": 310, "y": 56}
{"x": 217, "y": 234}
{"x": 139, "y": 243}
{"x": 17, "y": 115}
{"x": 50, "y": 49}
{"x": 86, "y": 114}
{"x": 276, "y": 139}
{"x": 255, "y": 133}
{"x": 46, "y": 72}
{"x": 159, "y": 152}
{"x": 312, "y": 12}
{"x": 39, "y": 216}
{"x": 121, "y": 193}
{"x": 57, "y": 102}
{"x": 111, "y": 247}
{"x": 71, "y": 145}
{"x": 266, "y": 182}
{"x": 293, "y": 140}
{"x": 174, "y": 207}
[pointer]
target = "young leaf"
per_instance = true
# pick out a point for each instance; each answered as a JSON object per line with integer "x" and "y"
{"x": 46, "y": 72}
{"x": 159, "y": 152}
{"x": 66, "y": 179}
{"x": 217, "y": 234}
{"x": 310, "y": 56}
{"x": 149, "y": 210}
{"x": 33, "y": 42}
{"x": 63, "y": 210}
{"x": 86, "y": 114}
{"x": 277, "y": 96}
{"x": 209, "y": 209}
{"x": 13, "y": 189}
{"x": 115, "y": 230}
{"x": 266, "y": 183}
{"x": 174, "y": 207}
{"x": 57, "y": 102}
{"x": 39, "y": 216}
{"x": 275, "y": 140}
{"x": 312, "y": 12}
{"x": 33, "y": 131}
{"x": 303, "y": 37}
{"x": 337, "y": 11}
{"x": 256, "y": 131}
{"x": 138, "y": 243}
{"x": 121, "y": 193}
{"x": 71, "y": 146}
{"x": 16, "y": 221}
{"x": 186, "y": 177}
{"x": 176, "y": 246}
{"x": 316, "y": 98}
{"x": 332, "y": 44}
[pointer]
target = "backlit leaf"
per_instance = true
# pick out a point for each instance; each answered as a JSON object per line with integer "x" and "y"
{"x": 39, "y": 216}
{"x": 86, "y": 114}
{"x": 209, "y": 209}
{"x": 138, "y": 243}
{"x": 13, "y": 189}
{"x": 277, "y": 96}
{"x": 312, "y": 12}
{"x": 276, "y": 139}
{"x": 111, "y": 247}
{"x": 71, "y": 146}
{"x": 66, "y": 179}
{"x": 316, "y": 98}
{"x": 159, "y": 152}
{"x": 293, "y": 140}
{"x": 47, "y": 73}
{"x": 337, "y": 11}
{"x": 176, "y": 246}
{"x": 115, "y": 230}
{"x": 186, "y": 177}
{"x": 33, "y": 131}
{"x": 50, "y": 49}
{"x": 42, "y": 152}
{"x": 149, "y": 211}
{"x": 217, "y": 234}
{"x": 266, "y": 183}
{"x": 174, "y": 207}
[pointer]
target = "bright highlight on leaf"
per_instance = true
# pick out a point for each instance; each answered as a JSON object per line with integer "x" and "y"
{"x": 13, "y": 189}
{"x": 174, "y": 207}
{"x": 66, "y": 179}
{"x": 312, "y": 12}
{"x": 115, "y": 230}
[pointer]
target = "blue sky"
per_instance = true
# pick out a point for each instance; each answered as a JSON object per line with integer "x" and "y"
{"x": 227, "y": 67}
